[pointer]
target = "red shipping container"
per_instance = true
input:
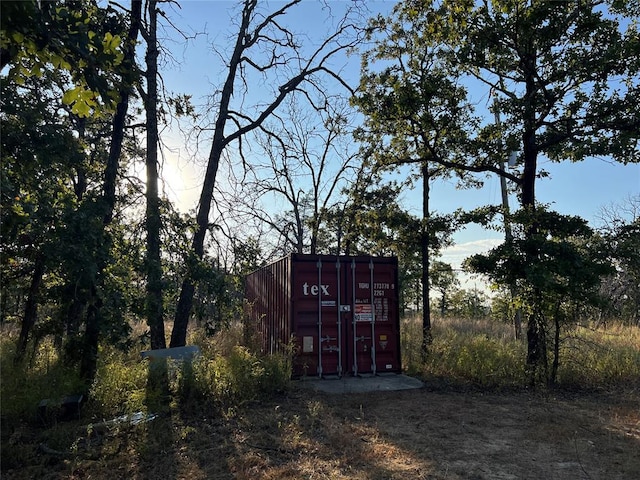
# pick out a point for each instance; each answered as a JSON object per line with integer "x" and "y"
{"x": 340, "y": 313}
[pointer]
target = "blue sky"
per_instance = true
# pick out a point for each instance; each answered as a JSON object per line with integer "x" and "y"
{"x": 572, "y": 188}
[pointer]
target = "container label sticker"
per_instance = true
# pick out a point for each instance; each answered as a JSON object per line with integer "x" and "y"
{"x": 382, "y": 309}
{"x": 328, "y": 303}
{"x": 307, "y": 344}
{"x": 363, "y": 313}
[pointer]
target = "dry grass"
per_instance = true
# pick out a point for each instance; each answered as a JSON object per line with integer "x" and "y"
{"x": 485, "y": 353}
{"x": 417, "y": 434}
{"x": 601, "y": 357}
{"x": 432, "y": 433}
{"x": 479, "y": 352}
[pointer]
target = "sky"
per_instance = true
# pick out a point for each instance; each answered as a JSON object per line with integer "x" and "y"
{"x": 572, "y": 188}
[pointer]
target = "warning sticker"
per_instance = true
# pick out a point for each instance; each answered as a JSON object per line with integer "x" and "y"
{"x": 363, "y": 313}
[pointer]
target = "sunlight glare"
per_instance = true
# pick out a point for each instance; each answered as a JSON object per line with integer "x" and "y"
{"x": 179, "y": 183}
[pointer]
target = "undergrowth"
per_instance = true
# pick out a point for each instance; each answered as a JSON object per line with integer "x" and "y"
{"x": 227, "y": 375}
{"x": 599, "y": 358}
{"x": 40, "y": 376}
{"x": 224, "y": 376}
{"x": 483, "y": 352}
{"x": 227, "y": 378}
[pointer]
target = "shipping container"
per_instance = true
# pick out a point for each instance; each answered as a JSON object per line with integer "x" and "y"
{"x": 337, "y": 314}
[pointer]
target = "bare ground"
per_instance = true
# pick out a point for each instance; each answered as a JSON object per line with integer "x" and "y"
{"x": 415, "y": 434}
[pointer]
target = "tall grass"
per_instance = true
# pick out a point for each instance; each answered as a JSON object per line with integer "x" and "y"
{"x": 485, "y": 353}
{"x": 597, "y": 357}
{"x": 480, "y": 352}
{"x": 40, "y": 376}
{"x": 225, "y": 376}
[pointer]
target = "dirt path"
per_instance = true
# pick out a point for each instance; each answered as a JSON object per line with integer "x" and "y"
{"x": 443, "y": 435}
{"x": 476, "y": 436}
{"x": 413, "y": 434}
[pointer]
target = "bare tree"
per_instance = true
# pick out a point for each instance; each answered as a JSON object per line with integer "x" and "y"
{"x": 265, "y": 47}
{"x": 310, "y": 159}
{"x": 620, "y": 226}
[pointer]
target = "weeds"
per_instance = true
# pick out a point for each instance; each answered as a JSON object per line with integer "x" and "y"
{"x": 120, "y": 385}
{"x": 25, "y": 384}
{"x": 601, "y": 358}
{"x": 227, "y": 376}
{"x": 207, "y": 426}
{"x": 223, "y": 375}
{"x": 484, "y": 353}
{"x": 239, "y": 378}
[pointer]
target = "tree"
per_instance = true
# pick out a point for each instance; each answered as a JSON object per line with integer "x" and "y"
{"x": 471, "y": 304}
{"x": 566, "y": 82}
{"x": 566, "y": 87}
{"x": 154, "y": 300}
{"x": 30, "y": 219}
{"x": 415, "y": 113}
{"x": 291, "y": 71}
{"x": 310, "y": 162}
{"x": 621, "y": 230}
{"x": 73, "y": 56}
{"x": 444, "y": 280}
{"x": 567, "y": 275}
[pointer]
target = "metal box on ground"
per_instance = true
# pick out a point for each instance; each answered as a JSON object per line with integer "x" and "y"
{"x": 339, "y": 313}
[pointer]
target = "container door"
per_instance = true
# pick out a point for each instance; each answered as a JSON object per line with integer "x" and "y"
{"x": 317, "y": 316}
{"x": 387, "y": 323}
{"x": 373, "y": 345}
{"x": 362, "y": 321}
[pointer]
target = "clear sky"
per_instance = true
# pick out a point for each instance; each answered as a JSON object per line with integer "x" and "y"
{"x": 577, "y": 189}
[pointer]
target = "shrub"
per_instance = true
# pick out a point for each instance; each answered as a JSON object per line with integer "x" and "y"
{"x": 120, "y": 385}
{"x": 43, "y": 376}
{"x": 241, "y": 377}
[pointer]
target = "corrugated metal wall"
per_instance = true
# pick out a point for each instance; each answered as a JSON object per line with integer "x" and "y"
{"x": 341, "y": 313}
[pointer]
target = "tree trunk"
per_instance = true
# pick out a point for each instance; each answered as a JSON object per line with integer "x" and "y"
{"x": 89, "y": 360}
{"x": 75, "y": 295}
{"x": 424, "y": 248}
{"x": 556, "y": 346}
{"x": 74, "y": 318}
{"x": 536, "y": 341}
{"x": 92, "y": 331}
{"x": 533, "y": 348}
{"x": 31, "y": 307}
{"x": 185, "y": 302}
{"x": 517, "y": 322}
{"x": 154, "y": 308}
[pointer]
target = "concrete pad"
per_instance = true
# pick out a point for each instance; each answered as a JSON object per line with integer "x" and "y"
{"x": 177, "y": 353}
{"x": 349, "y": 384}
